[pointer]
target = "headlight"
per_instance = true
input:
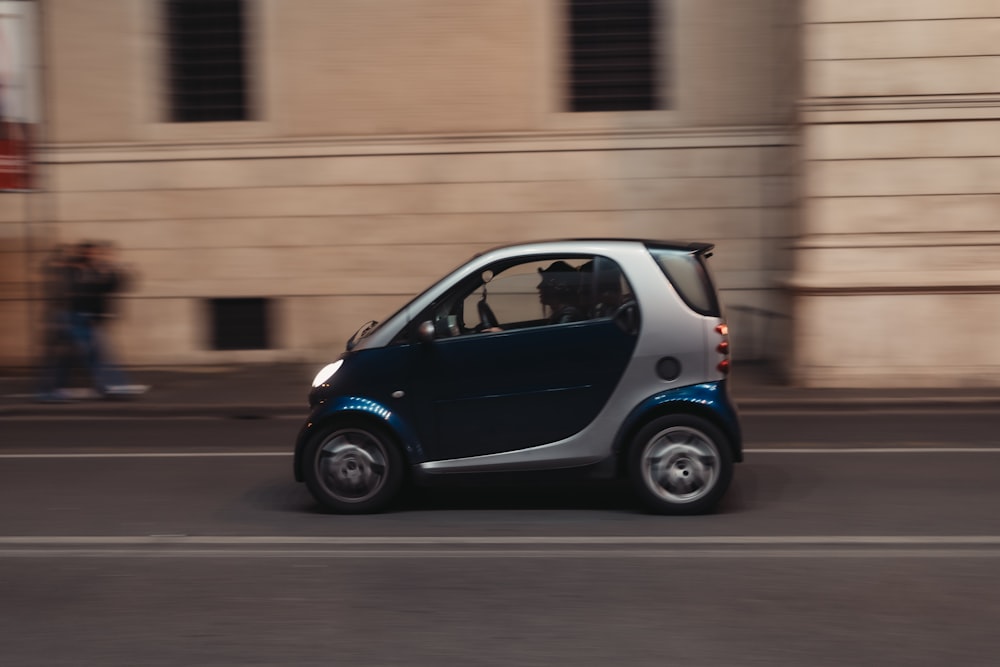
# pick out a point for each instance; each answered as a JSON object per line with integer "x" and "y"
{"x": 327, "y": 372}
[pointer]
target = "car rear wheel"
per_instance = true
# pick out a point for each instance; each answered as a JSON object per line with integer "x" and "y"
{"x": 680, "y": 464}
{"x": 353, "y": 468}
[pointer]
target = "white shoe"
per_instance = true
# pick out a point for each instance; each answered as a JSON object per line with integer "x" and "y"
{"x": 128, "y": 389}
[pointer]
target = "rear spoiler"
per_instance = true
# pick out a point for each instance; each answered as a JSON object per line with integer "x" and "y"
{"x": 696, "y": 248}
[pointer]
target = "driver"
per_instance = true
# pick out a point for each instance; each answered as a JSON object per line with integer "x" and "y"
{"x": 559, "y": 292}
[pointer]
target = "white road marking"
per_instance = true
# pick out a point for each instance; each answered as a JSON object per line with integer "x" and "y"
{"x": 617, "y": 554}
{"x": 929, "y": 449}
{"x": 234, "y": 415}
{"x": 504, "y": 540}
{"x": 832, "y": 410}
{"x": 144, "y": 455}
{"x": 457, "y": 547}
{"x": 986, "y": 406}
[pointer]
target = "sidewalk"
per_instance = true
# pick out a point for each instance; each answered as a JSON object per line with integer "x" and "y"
{"x": 248, "y": 391}
{"x": 267, "y": 390}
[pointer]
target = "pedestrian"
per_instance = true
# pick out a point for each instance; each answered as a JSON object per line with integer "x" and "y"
{"x": 58, "y": 348}
{"x": 95, "y": 279}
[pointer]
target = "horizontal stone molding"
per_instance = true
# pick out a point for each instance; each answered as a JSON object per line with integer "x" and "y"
{"x": 333, "y": 269}
{"x": 904, "y": 140}
{"x": 904, "y": 76}
{"x": 931, "y": 213}
{"x": 882, "y": 101}
{"x": 912, "y": 283}
{"x": 513, "y": 198}
{"x": 901, "y": 376}
{"x": 922, "y": 264}
{"x": 841, "y": 11}
{"x": 903, "y": 177}
{"x": 901, "y": 39}
{"x": 901, "y": 108}
{"x": 854, "y": 290}
{"x": 424, "y": 168}
{"x": 768, "y": 135}
{"x": 750, "y": 287}
{"x": 938, "y": 240}
{"x": 346, "y": 231}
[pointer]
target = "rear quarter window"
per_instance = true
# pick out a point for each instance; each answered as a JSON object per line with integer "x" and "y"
{"x": 689, "y": 275}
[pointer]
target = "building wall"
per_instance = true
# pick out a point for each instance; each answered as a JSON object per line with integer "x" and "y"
{"x": 16, "y": 325}
{"x": 394, "y": 139}
{"x": 897, "y": 281}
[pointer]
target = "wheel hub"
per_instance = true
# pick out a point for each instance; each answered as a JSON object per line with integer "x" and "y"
{"x": 353, "y": 467}
{"x": 680, "y": 464}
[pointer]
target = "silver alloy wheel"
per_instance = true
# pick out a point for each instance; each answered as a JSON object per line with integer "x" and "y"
{"x": 680, "y": 464}
{"x": 352, "y": 465}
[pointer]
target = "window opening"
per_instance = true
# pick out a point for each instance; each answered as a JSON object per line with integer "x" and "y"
{"x": 613, "y": 55}
{"x": 240, "y": 323}
{"x": 207, "y": 60}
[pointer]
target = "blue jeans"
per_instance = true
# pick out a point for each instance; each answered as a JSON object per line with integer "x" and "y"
{"x": 59, "y": 353}
{"x": 90, "y": 338}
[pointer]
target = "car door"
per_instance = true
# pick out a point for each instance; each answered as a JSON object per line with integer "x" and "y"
{"x": 531, "y": 381}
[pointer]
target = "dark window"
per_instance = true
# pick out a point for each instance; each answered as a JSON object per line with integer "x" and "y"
{"x": 207, "y": 60}
{"x": 613, "y": 55}
{"x": 689, "y": 275}
{"x": 240, "y": 324}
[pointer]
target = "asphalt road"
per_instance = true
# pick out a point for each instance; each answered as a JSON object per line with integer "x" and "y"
{"x": 852, "y": 538}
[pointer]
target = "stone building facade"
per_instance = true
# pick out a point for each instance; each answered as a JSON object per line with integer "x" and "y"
{"x": 837, "y": 152}
{"x": 896, "y": 280}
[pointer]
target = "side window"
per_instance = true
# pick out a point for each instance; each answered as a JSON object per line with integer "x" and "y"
{"x": 533, "y": 293}
{"x": 608, "y": 287}
{"x": 689, "y": 275}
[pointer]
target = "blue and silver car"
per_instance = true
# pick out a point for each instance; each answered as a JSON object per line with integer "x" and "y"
{"x": 603, "y": 357}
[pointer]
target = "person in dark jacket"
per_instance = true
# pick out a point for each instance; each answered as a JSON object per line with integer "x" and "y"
{"x": 58, "y": 349}
{"x": 559, "y": 292}
{"x": 95, "y": 279}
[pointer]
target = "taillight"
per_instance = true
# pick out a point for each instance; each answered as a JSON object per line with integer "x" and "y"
{"x": 723, "y": 347}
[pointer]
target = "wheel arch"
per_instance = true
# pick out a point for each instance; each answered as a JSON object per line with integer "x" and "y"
{"x": 324, "y": 419}
{"x": 676, "y": 406}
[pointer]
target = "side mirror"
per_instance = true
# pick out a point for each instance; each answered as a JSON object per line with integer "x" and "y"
{"x": 426, "y": 331}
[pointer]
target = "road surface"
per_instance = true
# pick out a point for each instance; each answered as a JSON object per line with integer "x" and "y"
{"x": 853, "y": 538}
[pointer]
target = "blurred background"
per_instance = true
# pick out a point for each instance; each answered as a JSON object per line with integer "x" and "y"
{"x": 278, "y": 172}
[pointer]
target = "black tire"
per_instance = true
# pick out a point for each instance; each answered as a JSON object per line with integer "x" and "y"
{"x": 680, "y": 464}
{"x": 353, "y": 468}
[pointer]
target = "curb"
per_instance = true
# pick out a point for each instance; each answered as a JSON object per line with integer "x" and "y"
{"x": 113, "y": 409}
{"x": 871, "y": 403}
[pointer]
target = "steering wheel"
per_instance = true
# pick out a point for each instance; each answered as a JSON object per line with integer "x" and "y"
{"x": 487, "y": 320}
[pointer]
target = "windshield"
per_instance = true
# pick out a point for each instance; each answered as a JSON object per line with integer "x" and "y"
{"x": 372, "y": 326}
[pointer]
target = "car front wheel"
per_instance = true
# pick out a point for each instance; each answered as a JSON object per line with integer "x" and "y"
{"x": 680, "y": 464}
{"x": 353, "y": 468}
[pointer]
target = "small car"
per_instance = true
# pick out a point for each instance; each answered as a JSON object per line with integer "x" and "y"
{"x": 605, "y": 358}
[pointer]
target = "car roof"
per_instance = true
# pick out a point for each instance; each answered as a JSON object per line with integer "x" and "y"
{"x": 685, "y": 246}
